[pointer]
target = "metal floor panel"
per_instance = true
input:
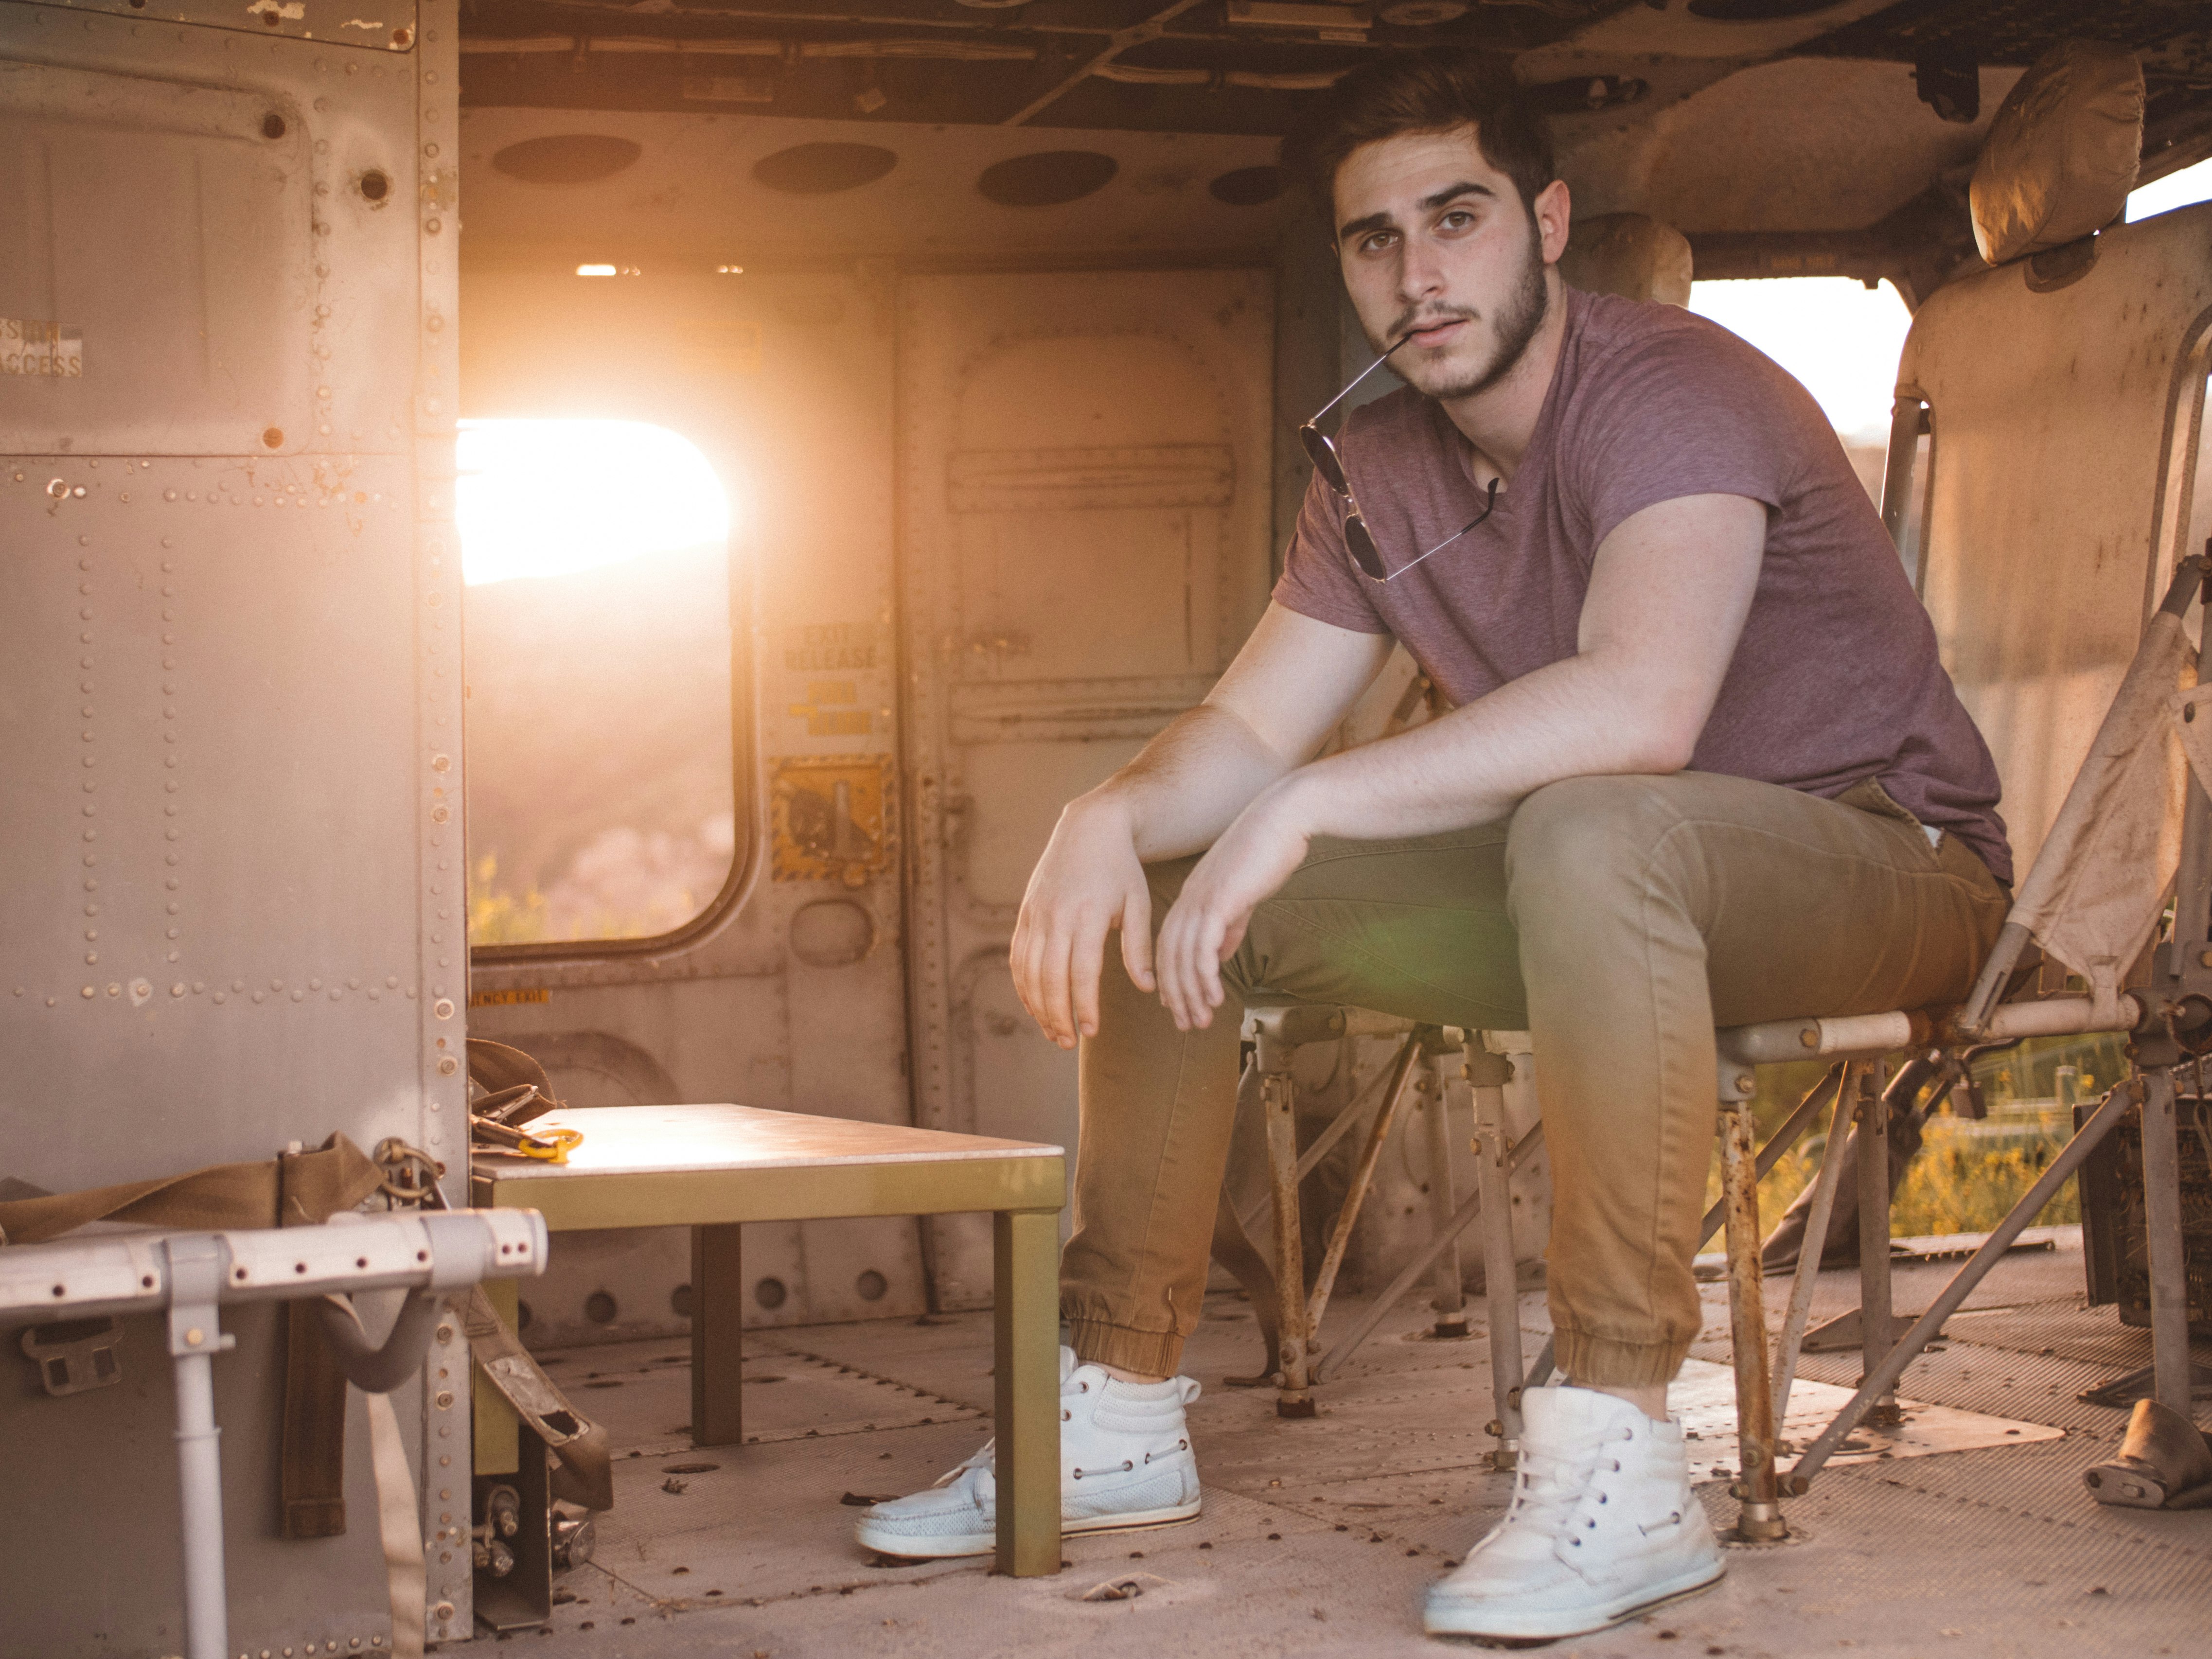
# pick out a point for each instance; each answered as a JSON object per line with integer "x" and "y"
{"x": 1320, "y": 1536}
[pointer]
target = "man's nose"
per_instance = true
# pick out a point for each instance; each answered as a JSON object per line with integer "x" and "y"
{"x": 1420, "y": 272}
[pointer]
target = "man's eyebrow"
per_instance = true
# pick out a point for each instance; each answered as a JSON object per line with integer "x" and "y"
{"x": 1428, "y": 205}
{"x": 1465, "y": 187}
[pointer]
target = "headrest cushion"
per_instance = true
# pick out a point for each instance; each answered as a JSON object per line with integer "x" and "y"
{"x": 1630, "y": 254}
{"x": 2061, "y": 153}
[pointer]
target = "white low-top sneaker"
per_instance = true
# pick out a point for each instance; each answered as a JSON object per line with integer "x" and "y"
{"x": 1602, "y": 1527}
{"x": 1125, "y": 1461}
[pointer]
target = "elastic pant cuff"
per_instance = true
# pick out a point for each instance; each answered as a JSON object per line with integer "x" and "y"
{"x": 1602, "y": 1361}
{"x": 1148, "y": 1354}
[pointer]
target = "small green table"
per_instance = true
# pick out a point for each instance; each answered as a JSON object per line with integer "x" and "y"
{"x": 715, "y": 1168}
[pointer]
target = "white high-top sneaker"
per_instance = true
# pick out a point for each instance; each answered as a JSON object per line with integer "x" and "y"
{"x": 1602, "y": 1527}
{"x": 1125, "y": 1461}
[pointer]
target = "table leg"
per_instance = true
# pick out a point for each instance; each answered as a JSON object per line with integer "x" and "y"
{"x": 717, "y": 1335}
{"x": 1025, "y": 1323}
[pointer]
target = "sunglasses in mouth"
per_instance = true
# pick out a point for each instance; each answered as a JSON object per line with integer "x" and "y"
{"x": 1358, "y": 541}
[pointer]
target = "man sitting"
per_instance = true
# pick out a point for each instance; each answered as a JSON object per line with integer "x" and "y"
{"x": 1703, "y": 766}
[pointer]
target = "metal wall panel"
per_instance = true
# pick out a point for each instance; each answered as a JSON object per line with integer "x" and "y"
{"x": 2065, "y": 416}
{"x": 1086, "y": 476}
{"x": 229, "y": 714}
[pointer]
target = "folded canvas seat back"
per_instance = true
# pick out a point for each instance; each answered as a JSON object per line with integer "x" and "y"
{"x": 2061, "y": 404}
{"x": 1629, "y": 254}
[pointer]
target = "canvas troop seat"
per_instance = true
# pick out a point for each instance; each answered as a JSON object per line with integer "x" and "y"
{"x": 2047, "y": 518}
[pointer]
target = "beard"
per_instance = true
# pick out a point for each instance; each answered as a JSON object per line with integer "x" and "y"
{"x": 1512, "y": 327}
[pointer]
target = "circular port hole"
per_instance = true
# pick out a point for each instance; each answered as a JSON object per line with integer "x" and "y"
{"x": 680, "y": 1302}
{"x": 769, "y": 1293}
{"x": 872, "y": 1286}
{"x": 522, "y": 1315}
{"x": 374, "y": 186}
{"x": 274, "y": 437}
{"x": 599, "y": 1308}
{"x": 401, "y": 37}
{"x": 272, "y": 125}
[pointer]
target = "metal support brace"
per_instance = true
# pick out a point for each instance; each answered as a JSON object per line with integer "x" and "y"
{"x": 1907, "y": 1348}
{"x": 1355, "y": 1194}
{"x": 1489, "y": 1073}
{"x": 1877, "y": 1328}
{"x": 1855, "y": 1085}
{"x": 1277, "y": 1107}
{"x": 1449, "y": 1300}
{"x": 1759, "y": 1519}
{"x": 196, "y": 1336}
{"x": 2169, "y": 1288}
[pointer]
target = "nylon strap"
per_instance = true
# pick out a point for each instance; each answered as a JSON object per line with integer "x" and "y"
{"x": 282, "y": 1192}
{"x": 399, "y": 1519}
{"x": 587, "y": 1473}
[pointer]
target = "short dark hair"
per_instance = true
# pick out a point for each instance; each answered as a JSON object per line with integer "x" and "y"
{"x": 1432, "y": 91}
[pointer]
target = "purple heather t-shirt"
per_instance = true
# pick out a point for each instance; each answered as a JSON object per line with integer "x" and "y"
{"x": 1835, "y": 678}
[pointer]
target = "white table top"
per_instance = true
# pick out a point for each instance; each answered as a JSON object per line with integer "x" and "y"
{"x": 662, "y": 1139}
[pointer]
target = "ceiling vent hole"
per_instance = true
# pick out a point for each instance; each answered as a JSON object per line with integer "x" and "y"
{"x": 823, "y": 169}
{"x": 568, "y": 158}
{"x": 1047, "y": 178}
{"x": 599, "y": 1308}
{"x": 272, "y": 125}
{"x": 1247, "y": 187}
{"x": 680, "y": 1302}
{"x": 1757, "y": 11}
{"x": 770, "y": 1293}
{"x": 374, "y": 186}
{"x": 872, "y": 1286}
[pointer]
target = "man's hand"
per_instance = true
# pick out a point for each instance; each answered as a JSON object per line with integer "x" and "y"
{"x": 1089, "y": 882}
{"x": 1254, "y": 857}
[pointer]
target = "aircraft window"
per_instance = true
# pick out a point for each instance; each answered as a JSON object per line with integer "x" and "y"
{"x": 1841, "y": 340}
{"x": 2177, "y": 190}
{"x": 601, "y": 801}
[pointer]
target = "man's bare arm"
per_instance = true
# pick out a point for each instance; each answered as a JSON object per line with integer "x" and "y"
{"x": 1669, "y": 591}
{"x": 1289, "y": 688}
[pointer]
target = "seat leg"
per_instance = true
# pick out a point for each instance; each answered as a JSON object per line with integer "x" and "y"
{"x": 1449, "y": 1299}
{"x": 1277, "y": 1102}
{"x": 2171, "y": 1378}
{"x": 1489, "y": 1074}
{"x": 1877, "y": 1325}
{"x": 1758, "y": 1487}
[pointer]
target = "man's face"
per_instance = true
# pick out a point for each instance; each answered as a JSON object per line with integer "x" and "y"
{"x": 1434, "y": 242}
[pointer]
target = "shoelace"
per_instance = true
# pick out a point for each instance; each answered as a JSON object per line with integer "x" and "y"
{"x": 1546, "y": 1486}
{"x": 986, "y": 1457}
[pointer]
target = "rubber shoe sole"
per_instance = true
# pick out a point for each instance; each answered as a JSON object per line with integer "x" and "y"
{"x": 905, "y": 1547}
{"x": 1497, "y": 1627}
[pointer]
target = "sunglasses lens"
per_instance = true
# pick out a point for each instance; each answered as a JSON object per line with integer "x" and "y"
{"x": 1363, "y": 548}
{"x": 1323, "y": 453}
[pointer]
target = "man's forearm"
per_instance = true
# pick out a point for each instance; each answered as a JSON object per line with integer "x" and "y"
{"x": 1189, "y": 783}
{"x": 1575, "y": 718}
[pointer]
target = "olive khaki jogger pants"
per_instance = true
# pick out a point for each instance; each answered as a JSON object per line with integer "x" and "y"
{"x": 1618, "y": 919}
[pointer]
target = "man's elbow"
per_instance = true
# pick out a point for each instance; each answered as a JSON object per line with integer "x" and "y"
{"x": 1662, "y": 742}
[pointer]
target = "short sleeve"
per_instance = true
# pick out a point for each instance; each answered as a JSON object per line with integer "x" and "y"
{"x": 1694, "y": 410}
{"x": 1318, "y": 579}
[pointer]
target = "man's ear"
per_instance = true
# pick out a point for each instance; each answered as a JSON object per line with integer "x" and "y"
{"x": 1554, "y": 212}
